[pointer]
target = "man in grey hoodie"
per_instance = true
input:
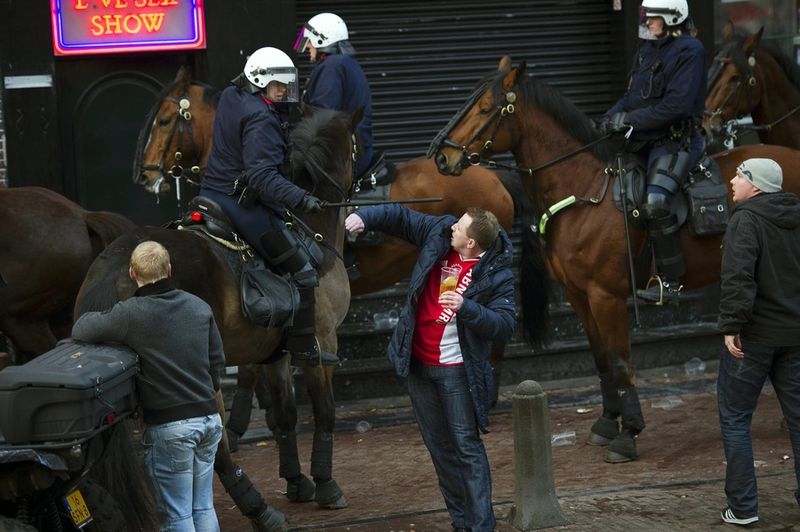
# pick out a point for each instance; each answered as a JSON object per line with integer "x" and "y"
{"x": 181, "y": 358}
{"x": 759, "y": 314}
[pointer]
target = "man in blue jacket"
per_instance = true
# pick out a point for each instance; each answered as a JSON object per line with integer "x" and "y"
{"x": 664, "y": 105}
{"x": 337, "y": 81}
{"x": 442, "y": 342}
{"x": 246, "y": 177}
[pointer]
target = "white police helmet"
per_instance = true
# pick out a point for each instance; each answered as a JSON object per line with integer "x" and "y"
{"x": 673, "y": 12}
{"x": 322, "y": 32}
{"x": 267, "y": 65}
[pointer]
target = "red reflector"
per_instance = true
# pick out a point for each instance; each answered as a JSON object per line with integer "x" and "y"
{"x": 197, "y": 216}
{"x": 110, "y": 419}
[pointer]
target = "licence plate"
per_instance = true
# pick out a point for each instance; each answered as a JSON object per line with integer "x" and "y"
{"x": 78, "y": 511}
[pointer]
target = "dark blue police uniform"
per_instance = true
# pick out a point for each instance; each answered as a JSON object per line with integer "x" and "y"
{"x": 337, "y": 82}
{"x": 249, "y": 149}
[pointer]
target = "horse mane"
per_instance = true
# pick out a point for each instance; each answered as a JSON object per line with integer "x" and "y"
{"x": 789, "y": 67}
{"x": 537, "y": 93}
{"x": 211, "y": 97}
{"x": 735, "y": 49}
{"x": 314, "y": 142}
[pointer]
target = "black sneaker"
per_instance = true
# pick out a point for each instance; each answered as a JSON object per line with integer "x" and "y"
{"x": 314, "y": 357}
{"x": 729, "y": 517}
{"x": 660, "y": 291}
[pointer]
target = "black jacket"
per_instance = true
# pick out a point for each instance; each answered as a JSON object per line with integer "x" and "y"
{"x": 760, "y": 279}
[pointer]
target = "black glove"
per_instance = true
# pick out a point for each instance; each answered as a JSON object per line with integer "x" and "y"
{"x": 310, "y": 203}
{"x": 613, "y": 124}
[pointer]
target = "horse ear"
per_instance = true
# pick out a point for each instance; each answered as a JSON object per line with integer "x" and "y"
{"x": 355, "y": 118}
{"x": 727, "y": 31}
{"x": 513, "y": 77}
{"x": 184, "y": 76}
{"x": 752, "y": 41}
{"x": 505, "y": 63}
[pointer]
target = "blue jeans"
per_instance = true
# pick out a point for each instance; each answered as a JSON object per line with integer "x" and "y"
{"x": 446, "y": 418}
{"x": 738, "y": 387}
{"x": 179, "y": 458}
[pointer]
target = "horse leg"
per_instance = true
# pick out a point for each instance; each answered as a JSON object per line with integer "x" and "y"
{"x": 263, "y": 517}
{"x": 280, "y": 383}
{"x": 30, "y": 339}
{"x": 611, "y": 316}
{"x": 241, "y": 406}
{"x": 319, "y": 383}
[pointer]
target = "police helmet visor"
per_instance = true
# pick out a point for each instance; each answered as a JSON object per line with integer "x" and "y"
{"x": 301, "y": 42}
{"x": 644, "y": 15}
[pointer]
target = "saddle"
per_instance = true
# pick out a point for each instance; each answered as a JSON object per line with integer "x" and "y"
{"x": 267, "y": 298}
{"x": 702, "y": 201}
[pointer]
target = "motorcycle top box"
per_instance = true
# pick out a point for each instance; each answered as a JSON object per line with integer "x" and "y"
{"x": 67, "y": 393}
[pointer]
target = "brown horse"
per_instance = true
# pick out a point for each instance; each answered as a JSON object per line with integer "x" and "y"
{"x": 46, "y": 246}
{"x": 748, "y": 77}
{"x": 322, "y": 156}
{"x": 585, "y": 245}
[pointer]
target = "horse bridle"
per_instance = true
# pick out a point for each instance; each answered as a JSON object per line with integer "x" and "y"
{"x": 181, "y": 125}
{"x": 501, "y": 110}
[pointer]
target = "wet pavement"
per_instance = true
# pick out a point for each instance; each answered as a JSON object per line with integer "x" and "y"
{"x": 677, "y": 484}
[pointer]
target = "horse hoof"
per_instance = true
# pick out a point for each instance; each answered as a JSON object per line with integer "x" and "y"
{"x": 330, "y": 496}
{"x": 603, "y": 432}
{"x": 300, "y": 489}
{"x": 622, "y": 449}
{"x": 270, "y": 520}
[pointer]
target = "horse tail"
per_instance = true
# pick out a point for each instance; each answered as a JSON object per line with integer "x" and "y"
{"x": 122, "y": 474}
{"x": 534, "y": 285}
{"x": 104, "y": 227}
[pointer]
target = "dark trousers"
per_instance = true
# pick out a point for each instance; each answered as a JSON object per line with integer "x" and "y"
{"x": 738, "y": 387}
{"x": 446, "y": 418}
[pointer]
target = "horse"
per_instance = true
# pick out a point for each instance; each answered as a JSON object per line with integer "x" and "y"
{"x": 749, "y": 77}
{"x": 46, "y": 246}
{"x": 174, "y": 144}
{"x": 322, "y": 160}
{"x": 585, "y": 247}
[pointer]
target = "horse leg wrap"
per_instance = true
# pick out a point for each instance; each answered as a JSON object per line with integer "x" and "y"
{"x": 243, "y": 493}
{"x": 269, "y": 520}
{"x": 287, "y": 452}
{"x": 241, "y": 406}
{"x": 612, "y": 405}
{"x": 632, "y": 418}
{"x": 322, "y": 456}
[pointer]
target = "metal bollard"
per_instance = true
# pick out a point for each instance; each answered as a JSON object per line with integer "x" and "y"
{"x": 535, "y": 502}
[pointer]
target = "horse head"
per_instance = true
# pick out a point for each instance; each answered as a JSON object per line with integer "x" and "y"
{"x": 483, "y": 124}
{"x": 175, "y": 141}
{"x": 735, "y": 81}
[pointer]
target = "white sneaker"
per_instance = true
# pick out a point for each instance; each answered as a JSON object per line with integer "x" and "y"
{"x": 729, "y": 517}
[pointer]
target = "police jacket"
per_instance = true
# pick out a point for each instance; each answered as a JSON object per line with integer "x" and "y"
{"x": 667, "y": 86}
{"x": 760, "y": 279}
{"x": 488, "y": 313}
{"x": 249, "y": 146}
{"x": 337, "y": 82}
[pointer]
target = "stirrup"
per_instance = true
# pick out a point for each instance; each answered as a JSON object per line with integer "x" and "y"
{"x": 664, "y": 289}
{"x": 315, "y": 357}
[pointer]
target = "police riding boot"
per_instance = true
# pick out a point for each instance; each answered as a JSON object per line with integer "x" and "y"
{"x": 664, "y": 235}
{"x": 302, "y": 342}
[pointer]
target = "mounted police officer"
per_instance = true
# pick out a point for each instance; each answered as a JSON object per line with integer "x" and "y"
{"x": 337, "y": 81}
{"x": 664, "y": 104}
{"x": 246, "y": 177}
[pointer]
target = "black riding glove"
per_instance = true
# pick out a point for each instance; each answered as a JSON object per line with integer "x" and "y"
{"x": 310, "y": 204}
{"x": 613, "y": 124}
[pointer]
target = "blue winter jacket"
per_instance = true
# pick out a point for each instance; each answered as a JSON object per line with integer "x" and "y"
{"x": 337, "y": 82}
{"x": 249, "y": 145}
{"x": 667, "y": 85}
{"x": 488, "y": 313}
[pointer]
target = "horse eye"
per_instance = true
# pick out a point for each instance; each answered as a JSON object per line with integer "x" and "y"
{"x": 164, "y": 121}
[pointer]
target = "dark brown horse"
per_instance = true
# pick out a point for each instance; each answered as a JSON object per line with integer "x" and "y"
{"x": 322, "y": 153}
{"x": 585, "y": 245}
{"x": 46, "y": 245}
{"x": 748, "y": 77}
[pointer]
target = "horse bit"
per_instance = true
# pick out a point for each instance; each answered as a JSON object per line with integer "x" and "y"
{"x": 182, "y": 123}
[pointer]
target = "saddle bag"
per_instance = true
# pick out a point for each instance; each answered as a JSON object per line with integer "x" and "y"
{"x": 267, "y": 299}
{"x": 70, "y": 392}
{"x": 708, "y": 201}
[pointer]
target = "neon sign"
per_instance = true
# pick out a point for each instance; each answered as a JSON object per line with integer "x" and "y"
{"x": 82, "y": 27}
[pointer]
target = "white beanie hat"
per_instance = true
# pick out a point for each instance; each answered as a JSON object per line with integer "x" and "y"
{"x": 764, "y": 174}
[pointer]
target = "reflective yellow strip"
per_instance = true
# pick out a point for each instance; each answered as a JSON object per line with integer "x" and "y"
{"x": 566, "y": 202}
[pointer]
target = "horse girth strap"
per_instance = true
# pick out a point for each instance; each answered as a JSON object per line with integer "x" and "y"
{"x": 573, "y": 199}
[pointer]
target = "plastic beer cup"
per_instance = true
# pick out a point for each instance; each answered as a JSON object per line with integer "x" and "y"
{"x": 449, "y": 278}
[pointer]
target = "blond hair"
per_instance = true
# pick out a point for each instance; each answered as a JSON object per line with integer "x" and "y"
{"x": 484, "y": 227}
{"x": 150, "y": 262}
